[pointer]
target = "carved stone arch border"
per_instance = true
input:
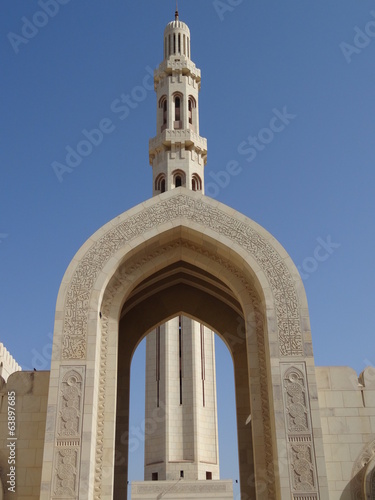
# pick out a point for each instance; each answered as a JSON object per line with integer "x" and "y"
{"x": 369, "y": 481}
{"x": 363, "y": 474}
{"x": 276, "y": 269}
{"x": 78, "y": 331}
{"x": 187, "y": 251}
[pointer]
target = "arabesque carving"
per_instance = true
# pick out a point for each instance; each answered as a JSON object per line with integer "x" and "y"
{"x": 281, "y": 282}
{"x": 299, "y": 432}
{"x": 69, "y": 432}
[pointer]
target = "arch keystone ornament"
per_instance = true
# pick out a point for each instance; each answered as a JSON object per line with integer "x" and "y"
{"x": 182, "y": 253}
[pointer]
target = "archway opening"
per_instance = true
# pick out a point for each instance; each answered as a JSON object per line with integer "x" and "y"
{"x": 226, "y": 411}
{"x": 182, "y": 288}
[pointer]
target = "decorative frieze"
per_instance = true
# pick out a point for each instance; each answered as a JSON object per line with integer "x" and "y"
{"x": 160, "y": 487}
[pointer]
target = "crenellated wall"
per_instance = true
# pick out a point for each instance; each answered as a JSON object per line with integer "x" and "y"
{"x": 8, "y": 364}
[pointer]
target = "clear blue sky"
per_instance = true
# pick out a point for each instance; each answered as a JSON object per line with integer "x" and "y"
{"x": 310, "y": 184}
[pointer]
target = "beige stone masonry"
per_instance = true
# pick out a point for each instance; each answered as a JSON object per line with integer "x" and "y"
{"x": 182, "y": 490}
{"x": 26, "y": 393}
{"x": 347, "y": 408}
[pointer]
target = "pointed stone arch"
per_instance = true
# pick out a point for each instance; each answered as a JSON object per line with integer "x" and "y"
{"x": 363, "y": 474}
{"x": 177, "y": 246}
{"x": 369, "y": 482}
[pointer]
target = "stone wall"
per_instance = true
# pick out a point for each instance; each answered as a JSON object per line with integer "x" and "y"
{"x": 347, "y": 409}
{"x": 23, "y": 407}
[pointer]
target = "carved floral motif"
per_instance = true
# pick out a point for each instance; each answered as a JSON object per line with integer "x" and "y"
{"x": 302, "y": 467}
{"x": 70, "y": 405}
{"x": 296, "y": 402}
{"x": 68, "y": 435}
{"x": 66, "y": 473}
{"x": 302, "y": 460}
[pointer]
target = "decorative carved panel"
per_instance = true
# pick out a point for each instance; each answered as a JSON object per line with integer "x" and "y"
{"x": 300, "y": 443}
{"x": 68, "y": 432}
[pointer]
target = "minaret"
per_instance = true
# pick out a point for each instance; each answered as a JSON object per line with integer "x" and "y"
{"x": 181, "y": 438}
{"x": 178, "y": 153}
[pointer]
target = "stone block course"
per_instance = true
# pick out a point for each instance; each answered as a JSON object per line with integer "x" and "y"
{"x": 348, "y": 424}
{"x": 31, "y": 389}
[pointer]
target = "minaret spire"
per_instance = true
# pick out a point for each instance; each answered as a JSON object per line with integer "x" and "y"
{"x": 178, "y": 154}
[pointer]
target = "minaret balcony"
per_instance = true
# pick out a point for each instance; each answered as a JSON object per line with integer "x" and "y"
{"x": 178, "y": 65}
{"x": 188, "y": 138}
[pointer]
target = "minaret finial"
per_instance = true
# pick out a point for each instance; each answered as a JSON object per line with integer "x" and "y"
{"x": 176, "y": 13}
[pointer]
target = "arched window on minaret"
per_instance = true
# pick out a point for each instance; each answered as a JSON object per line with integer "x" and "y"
{"x": 178, "y": 178}
{"x": 160, "y": 183}
{"x": 177, "y": 111}
{"x": 163, "y": 105}
{"x": 196, "y": 183}
{"x": 165, "y": 109}
{"x": 192, "y": 106}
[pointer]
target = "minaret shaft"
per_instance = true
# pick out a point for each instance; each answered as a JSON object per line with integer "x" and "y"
{"x": 181, "y": 414}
